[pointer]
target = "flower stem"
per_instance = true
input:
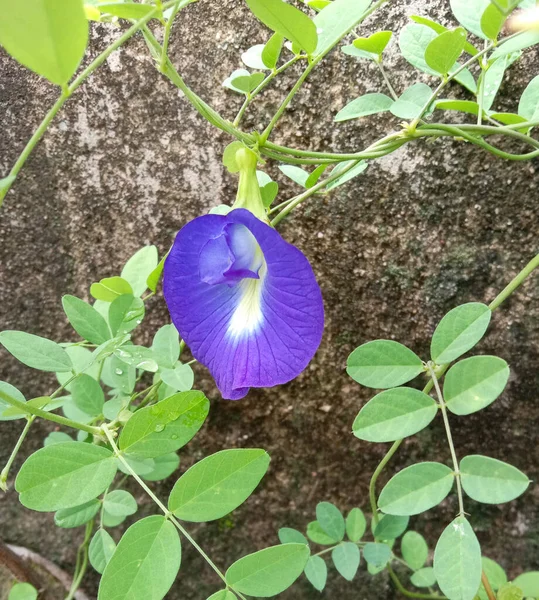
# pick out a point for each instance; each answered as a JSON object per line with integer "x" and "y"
{"x": 5, "y": 471}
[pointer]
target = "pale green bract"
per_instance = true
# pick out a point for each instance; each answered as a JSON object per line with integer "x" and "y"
{"x": 218, "y": 484}
{"x": 145, "y": 563}
{"x": 268, "y": 572}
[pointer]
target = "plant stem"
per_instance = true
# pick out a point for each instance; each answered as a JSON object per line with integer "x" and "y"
{"x": 488, "y": 588}
{"x": 5, "y": 471}
{"x": 386, "y": 80}
{"x": 408, "y": 593}
{"x": 374, "y": 478}
{"x": 68, "y": 90}
{"x": 456, "y": 468}
{"x": 82, "y": 561}
{"x": 515, "y": 283}
{"x": 166, "y": 35}
{"x": 32, "y": 410}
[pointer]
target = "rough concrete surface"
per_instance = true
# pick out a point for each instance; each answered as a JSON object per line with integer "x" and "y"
{"x": 127, "y": 162}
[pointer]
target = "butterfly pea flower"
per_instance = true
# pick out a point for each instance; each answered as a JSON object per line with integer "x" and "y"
{"x": 245, "y": 301}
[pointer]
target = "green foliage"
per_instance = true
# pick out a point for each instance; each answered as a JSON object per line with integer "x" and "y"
{"x": 287, "y": 21}
{"x": 36, "y": 352}
{"x": 268, "y": 572}
{"x": 166, "y": 426}
{"x": 413, "y": 102}
{"x": 528, "y": 106}
{"x": 457, "y": 561}
{"x": 268, "y": 188}
{"x": 88, "y": 395}
{"x": 316, "y": 534}
{"x": 390, "y": 527}
{"x": 287, "y": 535}
{"x": 444, "y": 50}
{"x": 383, "y": 364}
{"x": 377, "y": 555}
{"x": 272, "y": 50}
{"x": 125, "y": 10}
{"x": 119, "y": 503}
{"x": 110, "y": 288}
{"x": 528, "y": 583}
{"x": 491, "y": 481}
{"x": 416, "y": 489}
{"x": 368, "y": 104}
{"x": 356, "y": 524}
{"x": 375, "y": 43}
{"x": 22, "y": 591}
{"x": 424, "y": 578}
{"x": 474, "y": 383}
{"x": 77, "y": 515}
{"x": 145, "y": 563}
{"x": 5, "y": 407}
{"x": 316, "y": 572}
{"x": 346, "y": 558}
{"x": 330, "y": 519}
{"x": 222, "y": 595}
{"x": 47, "y": 36}
{"x": 141, "y": 265}
{"x": 394, "y": 414}
{"x": 414, "y": 549}
{"x": 101, "y": 549}
{"x": 495, "y": 574}
{"x": 218, "y": 484}
{"x": 86, "y": 321}
{"x": 161, "y": 467}
{"x": 242, "y": 81}
{"x": 459, "y": 331}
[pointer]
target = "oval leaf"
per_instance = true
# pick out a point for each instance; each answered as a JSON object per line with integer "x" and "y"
{"x": 356, "y": 524}
{"x": 390, "y": 527}
{"x": 85, "y": 320}
{"x": 377, "y": 555}
{"x": 316, "y": 572}
{"x": 457, "y": 561}
{"x": 442, "y": 53}
{"x": 101, "y": 550}
{"x": 346, "y": 559}
{"x": 459, "y": 331}
{"x": 394, "y": 414}
{"x": 414, "y": 549}
{"x": 330, "y": 520}
{"x": 416, "y": 489}
{"x": 64, "y": 475}
{"x": 218, "y": 484}
{"x": 36, "y": 352}
{"x": 491, "y": 481}
{"x": 88, "y": 395}
{"x": 268, "y": 572}
{"x": 145, "y": 563}
{"x": 77, "y": 515}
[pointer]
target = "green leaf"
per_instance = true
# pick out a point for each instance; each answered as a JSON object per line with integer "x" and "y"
{"x": 491, "y": 481}
{"x": 330, "y": 520}
{"x": 314, "y": 177}
{"x": 459, "y": 331}
{"x": 474, "y": 383}
{"x": 120, "y": 503}
{"x": 414, "y": 550}
{"x": 316, "y": 572}
{"x": 272, "y": 50}
{"x": 145, "y": 563}
{"x": 268, "y": 572}
{"x": 356, "y": 524}
{"x": 416, "y": 488}
{"x": 88, "y": 395}
{"x": 110, "y": 288}
{"x": 519, "y": 42}
{"x": 180, "y": 379}
{"x": 413, "y": 41}
{"x": 64, "y": 475}
{"x": 492, "y": 22}
{"x": 412, "y": 102}
{"x": 155, "y": 275}
{"x": 126, "y": 10}
{"x": 242, "y": 81}
{"x": 268, "y": 188}
{"x": 351, "y": 50}
{"x": 510, "y": 119}
{"x": 457, "y": 561}
{"x": 495, "y": 574}
{"x": 287, "y": 535}
{"x": 337, "y": 20}
{"x": 346, "y": 559}
{"x": 22, "y": 591}
{"x": 56, "y": 437}
{"x": 424, "y": 578}
{"x": 82, "y": 360}
{"x": 101, "y": 549}
{"x": 390, "y": 527}
{"x": 287, "y": 21}
{"x": 350, "y": 174}
{"x": 140, "y": 266}
{"x": 296, "y": 174}
{"x": 77, "y": 515}
{"x": 368, "y": 104}
{"x": 138, "y": 357}
{"x": 528, "y": 107}
{"x": 375, "y": 43}
{"x": 466, "y": 106}
{"x": 223, "y": 595}
{"x": 317, "y": 5}
{"x": 36, "y": 352}
{"x": 166, "y": 426}
{"x": 493, "y": 78}
{"x": 252, "y": 58}
{"x": 528, "y": 583}
{"x": 377, "y": 555}
{"x": 218, "y": 484}
{"x": 12, "y": 391}
{"x": 444, "y": 50}
{"x": 47, "y": 36}
{"x": 438, "y": 28}
{"x": 229, "y": 155}
{"x": 316, "y": 534}
{"x": 394, "y": 414}
{"x": 85, "y": 320}
{"x": 162, "y": 467}
{"x": 383, "y": 364}
{"x": 469, "y": 14}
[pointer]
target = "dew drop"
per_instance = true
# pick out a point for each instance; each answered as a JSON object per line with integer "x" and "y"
{"x": 138, "y": 321}
{"x": 118, "y": 372}
{"x": 173, "y": 437}
{"x": 159, "y": 427}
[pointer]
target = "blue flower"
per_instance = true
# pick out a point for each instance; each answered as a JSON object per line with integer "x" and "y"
{"x": 244, "y": 300}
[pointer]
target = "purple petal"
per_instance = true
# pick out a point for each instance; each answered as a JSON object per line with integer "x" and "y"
{"x": 245, "y": 301}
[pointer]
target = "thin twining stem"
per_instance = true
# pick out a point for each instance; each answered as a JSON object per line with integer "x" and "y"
{"x": 5, "y": 471}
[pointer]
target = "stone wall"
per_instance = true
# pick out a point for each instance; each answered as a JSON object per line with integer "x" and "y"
{"x": 128, "y": 162}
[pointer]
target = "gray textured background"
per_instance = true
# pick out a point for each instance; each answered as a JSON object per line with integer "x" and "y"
{"x": 128, "y": 162}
